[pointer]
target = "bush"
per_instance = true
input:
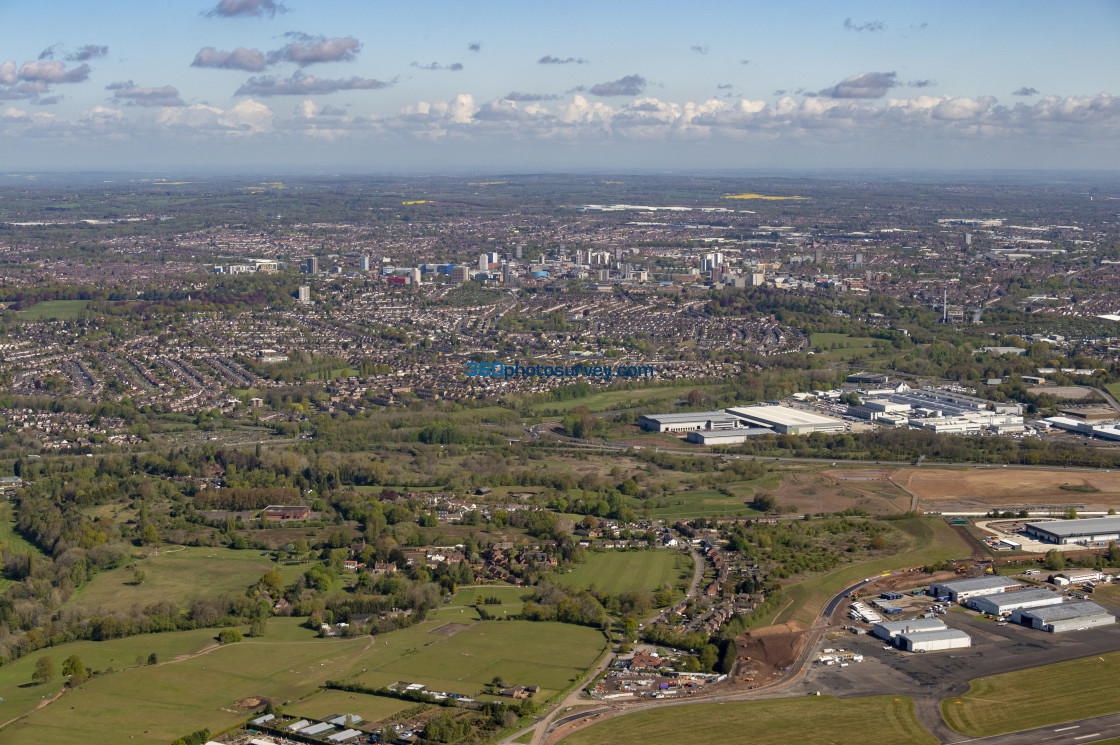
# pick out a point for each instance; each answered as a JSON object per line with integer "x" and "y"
{"x": 229, "y": 636}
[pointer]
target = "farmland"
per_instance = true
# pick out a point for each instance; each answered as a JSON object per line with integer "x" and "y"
{"x": 1010, "y": 702}
{"x": 770, "y": 723}
{"x": 618, "y": 571}
{"x": 984, "y": 488}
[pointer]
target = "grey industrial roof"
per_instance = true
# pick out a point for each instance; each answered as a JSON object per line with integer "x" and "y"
{"x": 1019, "y": 596}
{"x": 1066, "y": 610}
{"x": 1070, "y": 528}
{"x": 914, "y": 626}
{"x": 783, "y": 415}
{"x": 924, "y": 636}
{"x": 980, "y": 583}
{"x": 694, "y": 416}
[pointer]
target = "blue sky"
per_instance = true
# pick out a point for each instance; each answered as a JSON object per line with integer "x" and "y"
{"x": 270, "y": 85}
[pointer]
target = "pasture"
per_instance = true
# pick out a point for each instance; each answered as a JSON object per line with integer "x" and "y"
{"x": 618, "y": 571}
{"x": 62, "y": 310}
{"x": 369, "y": 708}
{"x": 882, "y": 720}
{"x": 182, "y": 574}
{"x": 1010, "y": 702}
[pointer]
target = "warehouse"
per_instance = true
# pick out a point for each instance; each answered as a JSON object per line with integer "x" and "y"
{"x": 1092, "y": 530}
{"x": 934, "y": 641}
{"x": 345, "y": 735}
{"x": 1004, "y": 602}
{"x": 1064, "y": 617}
{"x": 726, "y": 437}
{"x": 1080, "y": 577}
{"x": 694, "y": 421}
{"x": 785, "y": 420}
{"x": 888, "y": 630}
{"x": 961, "y": 590}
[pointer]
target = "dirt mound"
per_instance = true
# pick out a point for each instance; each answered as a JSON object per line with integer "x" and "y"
{"x": 252, "y": 702}
{"x": 791, "y": 627}
{"x": 763, "y": 654}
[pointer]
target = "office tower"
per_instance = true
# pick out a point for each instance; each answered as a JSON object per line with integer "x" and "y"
{"x": 305, "y": 295}
{"x": 311, "y": 266}
{"x": 483, "y": 262}
{"x": 460, "y": 274}
{"x": 517, "y": 250}
{"x": 363, "y": 264}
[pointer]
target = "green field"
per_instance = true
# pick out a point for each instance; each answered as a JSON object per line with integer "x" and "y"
{"x": 1113, "y": 388}
{"x": 1109, "y": 593}
{"x": 930, "y": 540}
{"x": 622, "y": 399}
{"x": 1010, "y": 702}
{"x": 182, "y": 574}
{"x": 60, "y": 309}
{"x": 845, "y": 345}
{"x": 710, "y": 503}
{"x": 618, "y": 571}
{"x": 882, "y": 720}
{"x": 369, "y": 708}
{"x": 10, "y": 538}
{"x": 156, "y": 704}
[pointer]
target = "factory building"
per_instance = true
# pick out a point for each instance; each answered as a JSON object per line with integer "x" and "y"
{"x": 889, "y": 630}
{"x": 1078, "y": 577}
{"x": 934, "y": 641}
{"x": 1064, "y": 617}
{"x": 700, "y": 420}
{"x": 1004, "y": 602}
{"x": 1092, "y": 530}
{"x": 726, "y": 437}
{"x": 785, "y": 420}
{"x": 961, "y": 590}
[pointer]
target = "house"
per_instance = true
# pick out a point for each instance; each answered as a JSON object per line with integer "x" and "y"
{"x": 351, "y": 565}
{"x": 519, "y": 691}
{"x": 287, "y": 512}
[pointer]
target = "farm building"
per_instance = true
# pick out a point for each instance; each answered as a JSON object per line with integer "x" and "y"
{"x": 889, "y": 630}
{"x": 695, "y": 421}
{"x": 1092, "y": 530}
{"x": 726, "y": 437}
{"x": 317, "y": 729}
{"x": 1005, "y": 602}
{"x": 345, "y": 735}
{"x": 263, "y": 719}
{"x": 1081, "y": 577}
{"x": 933, "y": 641}
{"x": 785, "y": 420}
{"x": 1064, "y": 617}
{"x": 287, "y": 512}
{"x": 297, "y": 726}
{"x": 961, "y": 590}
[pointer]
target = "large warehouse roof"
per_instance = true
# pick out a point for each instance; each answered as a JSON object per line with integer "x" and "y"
{"x": 917, "y": 625}
{"x": 1062, "y": 611}
{"x": 1071, "y": 528}
{"x": 1018, "y": 598}
{"x": 937, "y": 635}
{"x": 783, "y": 415}
{"x": 980, "y": 583}
{"x": 693, "y": 416}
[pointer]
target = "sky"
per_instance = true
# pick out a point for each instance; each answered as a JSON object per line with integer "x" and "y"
{"x": 431, "y": 85}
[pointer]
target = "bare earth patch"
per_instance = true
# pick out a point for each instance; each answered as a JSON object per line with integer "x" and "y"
{"x": 449, "y": 629}
{"x": 967, "y": 489}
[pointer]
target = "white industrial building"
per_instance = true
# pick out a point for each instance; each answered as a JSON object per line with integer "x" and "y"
{"x": 934, "y": 641}
{"x": 889, "y": 630}
{"x": 694, "y": 421}
{"x": 1104, "y": 431}
{"x": 785, "y": 420}
{"x": 961, "y": 590}
{"x": 1091, "y": 530}
{"x": 1056, "y": 619}
{"x": 726, "y": 436}
{"x": 1005, "y": 602}
{"x": 1081, "y": 577}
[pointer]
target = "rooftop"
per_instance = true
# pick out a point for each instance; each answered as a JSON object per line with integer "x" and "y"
{"x": 1020, "y": 596}
{"x": 783, "y": 415}
{"x": 694, "y": 416}
{"x": 1065, "y": 610}
{"x": 1088, "y": 526}
{"x": 980, "y": 583}
{"x": 915, "y": 626}
{"x": 923, "y": 636}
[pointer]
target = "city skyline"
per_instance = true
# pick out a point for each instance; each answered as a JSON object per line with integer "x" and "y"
{"x": 264, "y": 85}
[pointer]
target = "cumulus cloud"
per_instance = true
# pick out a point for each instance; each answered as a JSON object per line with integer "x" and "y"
{"x": 48, "y": 53}
{"x": 630, "y": 85}
{"x": 475, "y": 46}
{"x": 305, "y": 85}
{"x": 52, "y": 72}
{"x": 8, "y": 73}
{"x": 526, "y": 97}
{"x": 250, "y": 60}
{"x": 864, "y": 85}
{"x": 88, "y": 52}
{"x": 699, "y": 49}
{"x": 310, "y": 50}
{"x": 234, "y": 8}
{"x": 166, "y": 95}
{"x": 548, "y": 59}
{"x": 872, "y": 26}
{"x": 246, "y": 118}
{"x": 454, "y": 66}
{"x": 1025, "y": 91}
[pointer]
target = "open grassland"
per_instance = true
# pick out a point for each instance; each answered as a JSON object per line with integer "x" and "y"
{"x": 1010, "y": 702}
{"x": 623, "y": 399}
{"x": 840, "y": 346}
{"x": 12, "y": 541}
{"x": 369, "y": 708}
{"x": 200, "y": 682}
{"x": 1109, "y": 593}
{"x": 972, "y": 488}
{"x": 618, "y": 571}
{"x": 701, "y": 503}
{"x": 181, "y": 574}
{"x": 550, "y": 655}
{"x": 928, "y": 540}
{"x": 63, "y": 310}
{"x": 882, "y": 720}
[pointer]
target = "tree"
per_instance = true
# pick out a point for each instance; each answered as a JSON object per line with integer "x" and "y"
{"x": 44, "y": 670}
{"x": 763, "y": 502}
{"x": 272, "y": 582}
{"x": 75, "y": 670}
{"x": 1054, "y": 560}
{"x": 1071, "y": 514}
{"x": 229, "y": 636}
{"x": 138, "y": 576}
{"x": 149, "y": 536}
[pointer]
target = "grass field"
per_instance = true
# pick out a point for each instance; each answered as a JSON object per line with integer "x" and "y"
{"x": 1109, "y": 593}
{"x": 60, "y": 309}
{"x": 369, "y": 708}
{"x": 287, "y": 664}
{"x": 1010, "y": 702}
{"x": 622, "y": 399}
{"x": 885, "y": 720}
{"x": 185, "y": 575}
{"x": 845, "y": 345}
{"x": 1113, "y": 388}
{"x": 619, "y": 571}
{"x": 10, "y": 538}
{"x": 930, "y": 540}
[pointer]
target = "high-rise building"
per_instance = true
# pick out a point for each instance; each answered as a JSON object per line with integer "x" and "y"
{"x": 818, "y": 255}
{"x": 363, "y": 264}
{"x": 415, "y": 275}
{"x": 968, "y": 239}
{"x": 311, "y": 266}
{"x": 859, "y": 258}
{"x": 305, "y": 295}
{"x": 484, "y": 262}
{"x": 460, "y": 274}
{"x": 517, "y": 250}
